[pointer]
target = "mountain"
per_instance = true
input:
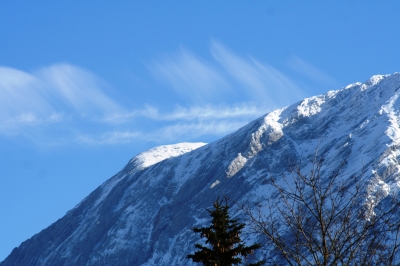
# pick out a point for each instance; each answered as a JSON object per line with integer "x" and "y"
{"x": 143, "y": 214}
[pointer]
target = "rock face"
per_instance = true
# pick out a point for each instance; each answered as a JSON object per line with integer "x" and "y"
{"x": 143, "y": 214}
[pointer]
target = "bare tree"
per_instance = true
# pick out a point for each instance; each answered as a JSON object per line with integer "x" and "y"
{"x": 324, "y": 219}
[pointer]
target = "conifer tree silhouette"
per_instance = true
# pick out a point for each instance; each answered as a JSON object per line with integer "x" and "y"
{"x": 223, "y": 238}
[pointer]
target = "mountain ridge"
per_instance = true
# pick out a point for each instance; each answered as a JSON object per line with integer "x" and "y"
{"x": 143, "y": 215}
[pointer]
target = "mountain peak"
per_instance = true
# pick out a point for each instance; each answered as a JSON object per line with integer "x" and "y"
{"x": 375, "y": 79}
{"x": 160, "y": 153}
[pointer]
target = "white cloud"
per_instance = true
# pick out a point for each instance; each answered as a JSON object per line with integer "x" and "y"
{"x": 26, "y": 123}
{"x": 215, "y": 112}
{"x": 312, "y": 72}
{"x": 21, "y": 92}
{"x": 110, "y": 138}
{"x": 172, "y": 133}
{"x": 73, "y": 99}
{"x": 263, "y": 82}
{"x": 43, "y": 96}
{"x": 189, "y": 76}
{"x": 124, "y": 117}
{"x": 183, "y": 124}
{"x": 76, "y": 88}
{"x": 62, "y": 102}
{"x": 229, "y": 73}
{"x": 204, "y": 112}
{"x": 44, "y": 90}
{"x": 189, "y": 131}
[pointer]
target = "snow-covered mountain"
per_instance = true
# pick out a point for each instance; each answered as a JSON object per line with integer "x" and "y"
{"x": 143, "y": 214}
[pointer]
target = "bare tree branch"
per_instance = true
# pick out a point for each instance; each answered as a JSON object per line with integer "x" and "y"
{"x": 322, "y": 219}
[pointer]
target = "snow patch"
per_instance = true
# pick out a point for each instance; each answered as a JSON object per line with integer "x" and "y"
{"x": 310, "y": 106}
{"x": 160, "y": 153}
{"x": 214, "y": 184}
{"x": 236, "y": 165}
{"x": 374, "y": 80}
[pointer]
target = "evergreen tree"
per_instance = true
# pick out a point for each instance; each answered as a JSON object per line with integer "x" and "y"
{"x": 223, "y": 237}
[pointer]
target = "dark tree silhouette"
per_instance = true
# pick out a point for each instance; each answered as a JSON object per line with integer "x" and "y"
{"x": 316, "y": 219}
{"x": 223, "y": 238}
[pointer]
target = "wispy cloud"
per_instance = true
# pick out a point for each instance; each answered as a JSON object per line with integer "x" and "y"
{"x": 21, "y": 92}
{"x": 110, "y": 138}
{"x": 311, "y": 72}
{"x": 63, "y": 103}
{"x": 198, "y": 112}
{"x": 51, "y": 90}
{"x": 183, "y": 124}
{"x": 44, "y": 96}
{"x": 181, "y": 131}
{"x": 190, "y": 131}
{"x": 76, "y": 88}
{"x": 189, "y": 76}
{"x": 215, "y": 112}
{"x": 261, "y": 81}
{"x": 228, "y": 73}
{"x": 74, "y": 99}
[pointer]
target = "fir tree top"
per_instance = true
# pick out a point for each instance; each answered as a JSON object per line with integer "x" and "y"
{"x": 225, "y": 248}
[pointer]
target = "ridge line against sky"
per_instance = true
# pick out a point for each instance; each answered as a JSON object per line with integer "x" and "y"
{"x": 78, "y": 100}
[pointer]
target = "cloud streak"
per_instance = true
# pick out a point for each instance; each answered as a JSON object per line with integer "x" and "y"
{"x": 193, "y": 130}
{"x": 20, "y": 92}
{"x": 51, "y": 90}
{"x": 64, "y": 103}
{"x": 227, "y": 75}
{"x": 175, "y": 132}
{"x": 204, "y": 112}
{"x": 262, "y": 82}
{"x": 311, "y": 72}
{"x": 183, "y": 124}
{"x": 76, "y": 89}
{"x": 189, "y": 76}
{"x": 51, "y": 104}
{"x": 110, "y": 138}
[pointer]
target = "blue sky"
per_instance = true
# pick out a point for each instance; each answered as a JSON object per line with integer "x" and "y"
{"x": 85, "y": 86}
